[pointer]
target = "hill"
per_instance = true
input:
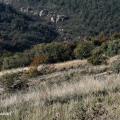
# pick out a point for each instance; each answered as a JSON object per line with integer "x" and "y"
{"x": 84, "y": 92}
{"x": 19, "y": 31}
{"x": 87, "y": 17}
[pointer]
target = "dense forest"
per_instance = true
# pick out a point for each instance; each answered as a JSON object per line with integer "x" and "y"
{"x": 19, "y": 31}
{"x": 88, "y": 17}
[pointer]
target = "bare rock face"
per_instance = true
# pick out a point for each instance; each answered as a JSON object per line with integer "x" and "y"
{"x": 27, "y": 10}
{"x": 43, "y": 13}
{"x": 59, "y": 18}
{"x": 53, "y": 16}
{"x": 35, "y": 12}
{"x": 53, "y": 19}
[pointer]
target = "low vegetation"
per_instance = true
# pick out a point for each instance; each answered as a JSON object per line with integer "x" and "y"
{"x": 83, "y": 50}
{"x": 97, "y": 51}
{"x": 13, "y": 82}
{"x": 75, "y": 79}
{"x": 73, "y": 90}
{"x": 116, "y": 66}
{"x": 67, "y": 95}
{"x": 97, "y": 57}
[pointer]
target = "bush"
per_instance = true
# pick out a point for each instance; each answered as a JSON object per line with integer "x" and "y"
{"x": 83, "y": 50}
{"x": 17, "y": 60}
{"x": 115, "y": 67}
{"x": 46, "y": 69}
{"x": 13, "y": 82}
{"x": 115, "y": 36}
{"x": 97, "y": 57}
{"x": 97, "y": 60}
{"x": 33, "y": 72}
{"x": 88, "y": 111}
{"x": 100, "y": 39}
{"x": 39, "y": 60}
{"x": 40, "y": 70}
{"x": 55, "y": 52}
{"x": 39, "y": 54}
{"x": 113, "y": 48}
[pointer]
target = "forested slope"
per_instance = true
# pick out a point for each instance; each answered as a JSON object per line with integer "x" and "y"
{"x": 88, "y": 17}
{"x": 19, "y": 31}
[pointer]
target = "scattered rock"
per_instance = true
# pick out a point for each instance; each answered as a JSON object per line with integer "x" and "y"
{"x": 43, "y": 13}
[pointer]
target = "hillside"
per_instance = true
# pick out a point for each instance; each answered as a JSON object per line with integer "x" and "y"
{"x": 19, "y": 31}
{"x": 81, "y": 92}
{"x": 87, "y": 17}
{"x": 59, "y": 59}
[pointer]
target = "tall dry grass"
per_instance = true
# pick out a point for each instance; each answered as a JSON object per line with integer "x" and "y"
{"x": 80, "y": 92}
{"x": 78, "y": 98}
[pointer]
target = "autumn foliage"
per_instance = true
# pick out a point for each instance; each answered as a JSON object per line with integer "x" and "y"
{"x": 39, "y": 60}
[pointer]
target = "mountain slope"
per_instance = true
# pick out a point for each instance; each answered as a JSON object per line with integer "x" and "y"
{"x": 88, "y": 17}
{"x": 18, "y": 31}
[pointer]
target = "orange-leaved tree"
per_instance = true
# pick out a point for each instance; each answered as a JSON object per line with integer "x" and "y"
{"x": 39, "y": 60}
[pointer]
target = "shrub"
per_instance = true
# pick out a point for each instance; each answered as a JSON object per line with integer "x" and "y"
{"x": 113, "y": 48}
{"x": 97, "y": 60}
{"x": 100, "y": 39}
{"x": 55, "y": 52}
{"x": 13, "y": 82}
{"x": 39, "y": 70}
{"x": 46, "y": 69}
{"x": 98, "y": 51}
{"x": 97, "y": 57}
{"x": 17, "y": 60}
{"x": 39, "y": 60}
{"x": 83, "y": 50}
{"x": 33, "y": 72}
{"x": 42, "y": 53}
{"x": 115, "y": 67}
{"x": 89, "y": 110}
{"x": 115, "y": 36}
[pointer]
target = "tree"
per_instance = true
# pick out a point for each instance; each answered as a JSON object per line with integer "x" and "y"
{"x": 39, "y": 60}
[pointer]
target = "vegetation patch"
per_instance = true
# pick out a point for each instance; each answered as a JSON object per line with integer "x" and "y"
{"x": 13, "y": 82}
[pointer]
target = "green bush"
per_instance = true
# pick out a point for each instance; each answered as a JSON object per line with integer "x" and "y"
{"x": 83, "y": 50}
{"x": 115, "y": 67}
{"x": 55, "y": 52}
{"x": 17, "y": 60}
{"x": 41, "y": 53}
{"x": 97, "y": 60}
{"x": 115, "y": 36}
{"x": 112, "y": 48}
{"x": 97, "y": 57}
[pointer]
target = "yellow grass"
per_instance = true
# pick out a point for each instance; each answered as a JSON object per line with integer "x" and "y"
{"x": 70, "y": 64}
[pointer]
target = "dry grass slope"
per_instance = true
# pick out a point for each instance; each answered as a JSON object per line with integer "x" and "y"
{"x": 72, "y": 93}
